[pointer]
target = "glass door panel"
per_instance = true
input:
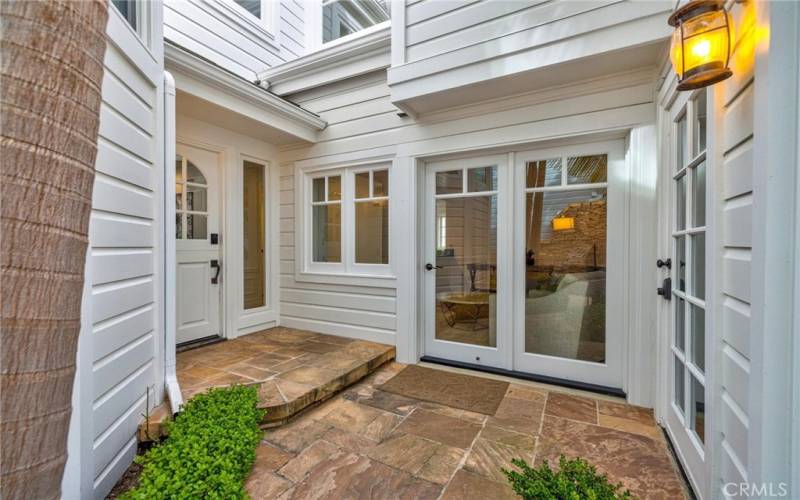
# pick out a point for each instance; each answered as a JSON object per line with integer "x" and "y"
{"x": 463, "y": 270}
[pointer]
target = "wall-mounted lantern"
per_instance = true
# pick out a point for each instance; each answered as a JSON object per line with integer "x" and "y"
{"x": 701, "y": 44}
{"x": 562, "y": 223}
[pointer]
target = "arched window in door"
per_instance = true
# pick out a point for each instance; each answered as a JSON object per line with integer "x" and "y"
{"x": 191, "y": 201}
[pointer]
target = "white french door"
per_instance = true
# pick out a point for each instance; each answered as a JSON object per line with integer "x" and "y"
{"x": 466, "y": 276}
{"x": 197, "y": 248}
{"x": 570, "y": 243}
{"x": 686, "y": 365}
{"x": 523, "y": 262}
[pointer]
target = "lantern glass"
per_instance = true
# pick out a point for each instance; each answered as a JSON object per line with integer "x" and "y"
{"x": 700, "y": 49}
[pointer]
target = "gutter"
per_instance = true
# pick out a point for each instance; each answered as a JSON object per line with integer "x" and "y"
{"x": 170, "y": 376}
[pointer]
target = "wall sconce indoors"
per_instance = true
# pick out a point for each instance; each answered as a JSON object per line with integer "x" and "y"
{"x": 701, "y": 44}
{"x": 563, "y": 223}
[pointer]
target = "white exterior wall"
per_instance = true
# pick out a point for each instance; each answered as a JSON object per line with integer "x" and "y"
{"x": 231, "y": 38}
{"x": 441, "y": 45}
{"x": 120, "y": 355}
{"x": 364, "y": 126}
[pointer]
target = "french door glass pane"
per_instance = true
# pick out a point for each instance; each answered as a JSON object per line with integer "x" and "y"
{"x": 481, "y": 179}
{"x": 565, "y": 291}
{"x": 178, "y": 196}
{"x": 698, "y": 242}
{"x": 679, "y": 387}
{"x": 193, "y": 174}
{"x": 698, "y": 331}
{"x": 698, "y": 409}
{"x": 334, "y": 187}
{"x": 362, "y": 185}
{"x": 449, "y": 182}
{"x": 700, "y": 123}
{"x": 178, "y": 226}
{"x": 318, "y": 189}
{"x": 327, "y": 230}
{"x": 372, "y": 232}
{"x": 466, "y": 282}
{"x": 587, "y": 169}
{"x": 380, "y": 183}
{"x": 680, "y": 213}
{"x": 543, "y": 173}
{"x": 680, "y": 324}
{"x": 253, "y": 235}
{"x": 682, "y": 143}
{"x": 680, "y": 258}
{"x": 196, "y": 226}
{"x": 699, "y": 195}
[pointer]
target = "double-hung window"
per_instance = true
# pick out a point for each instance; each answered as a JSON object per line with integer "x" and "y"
{"x": 263, "y": 13}
{"x": 348, "y": 221}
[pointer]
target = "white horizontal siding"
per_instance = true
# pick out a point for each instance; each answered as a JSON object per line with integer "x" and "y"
{"x": 240, "y": 43}
{"x": 735, "y": 236}
{"x": 362, "y": 121}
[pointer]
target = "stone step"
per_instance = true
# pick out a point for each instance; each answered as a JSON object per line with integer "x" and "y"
{"x": 294, "y": 369}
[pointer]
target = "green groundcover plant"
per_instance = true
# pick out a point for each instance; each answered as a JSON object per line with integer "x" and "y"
{"x": 575, "y": 480}
{"x": 210, "y": 449}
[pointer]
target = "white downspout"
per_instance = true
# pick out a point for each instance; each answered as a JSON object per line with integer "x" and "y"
{"x": 170, "y": 378}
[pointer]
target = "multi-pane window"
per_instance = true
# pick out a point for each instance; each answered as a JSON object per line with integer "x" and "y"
{"x": 344, "y": 17}
{"x": 191, "y": 201}
{"x": 349, "y": 217}
{"x": 689, "y": 268}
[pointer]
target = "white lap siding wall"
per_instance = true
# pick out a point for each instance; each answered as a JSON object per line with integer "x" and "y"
{"x": 364, "y": 125}
{"x": 232, "y": 38}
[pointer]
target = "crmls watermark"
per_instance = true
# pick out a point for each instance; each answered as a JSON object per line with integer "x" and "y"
{"x": 757, "y": 490}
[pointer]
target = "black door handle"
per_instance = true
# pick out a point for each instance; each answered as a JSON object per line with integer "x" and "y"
{"x": 664, "y": 263}
{"x": 666, "y": 289}
{"x": 218, "y": 264}
{"x": 431, "y": 267}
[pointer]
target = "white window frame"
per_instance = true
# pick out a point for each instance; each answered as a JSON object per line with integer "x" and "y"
{"x": 143, "y": 29}
{"x": 270, "y": 15}
{"x": 314, "y": 28}
{"x": 347, "y": 270}
{"x": 350, "y": 227}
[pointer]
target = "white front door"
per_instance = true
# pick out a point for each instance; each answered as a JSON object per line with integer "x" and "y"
{"x": 524, "y": 257}
{"x": 198, "y": 245}
{"x": 466, "y": 261}
{"x": 686, "y": 310}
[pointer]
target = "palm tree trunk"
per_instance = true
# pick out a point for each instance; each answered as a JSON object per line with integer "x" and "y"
{"x": 51, "y": 70}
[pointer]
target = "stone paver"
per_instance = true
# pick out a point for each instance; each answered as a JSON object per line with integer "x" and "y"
{"x": 293, "y": 368}
{"x": 364, "y": 443}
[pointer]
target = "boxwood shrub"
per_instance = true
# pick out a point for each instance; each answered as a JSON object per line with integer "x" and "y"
{"x": 210, "y": 449}
{"x": 575, "y": 480}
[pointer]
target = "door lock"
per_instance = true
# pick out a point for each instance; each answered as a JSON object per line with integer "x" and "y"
{"x": 431, "y": 267}
{"x": 664, "y": 263}
{"x": 665, "y": 290}
{"x": 217, "y": 264}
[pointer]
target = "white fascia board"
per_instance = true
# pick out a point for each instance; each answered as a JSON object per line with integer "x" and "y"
{"x": 207, "y": 81}
{"x": 363, "y": 54}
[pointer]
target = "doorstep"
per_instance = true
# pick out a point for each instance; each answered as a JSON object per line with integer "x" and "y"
{"x": 294, "y": 369}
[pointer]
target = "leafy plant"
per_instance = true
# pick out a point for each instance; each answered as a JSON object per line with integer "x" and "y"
{"x": 575, "y": 480}
{"x": 210, "y": 449}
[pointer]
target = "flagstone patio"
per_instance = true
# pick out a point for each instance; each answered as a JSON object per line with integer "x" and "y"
{"x": 366, "y": 443}
{"x": 293, "y": 369}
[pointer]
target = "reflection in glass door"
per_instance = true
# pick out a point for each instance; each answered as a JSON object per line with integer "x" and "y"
{"x": 567, "y": 328}
{"x": 462, "y": 274}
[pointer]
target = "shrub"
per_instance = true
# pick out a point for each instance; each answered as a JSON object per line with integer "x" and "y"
{"x": 575, "y": 480}
{"x": 210, "y": 449}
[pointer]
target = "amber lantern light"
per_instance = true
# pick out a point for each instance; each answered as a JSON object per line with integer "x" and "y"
{"x": 701, "y": 43}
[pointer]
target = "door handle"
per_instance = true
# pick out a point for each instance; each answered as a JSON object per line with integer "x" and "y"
{"x": 664, "y": 263}
{"x": 218, "y": 264}
{"x": 431, "y": 267}
{"x": 665, "y": 290}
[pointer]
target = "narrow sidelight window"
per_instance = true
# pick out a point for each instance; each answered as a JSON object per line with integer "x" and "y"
{"x": 253, "y": 235}
{"x": 372, "y": 217}
{"x": 326, "y": 214}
